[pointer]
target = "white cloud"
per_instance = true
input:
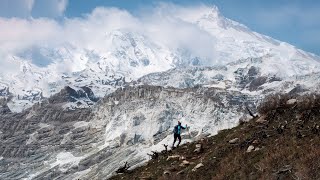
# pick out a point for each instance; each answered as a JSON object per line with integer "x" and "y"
{"x": 18, "y": 34}
{"x": 89, "y": 32}
{"x": 62, "y": 5}
{"x": 174, "y": 27}
{"x": 49, "y": 8}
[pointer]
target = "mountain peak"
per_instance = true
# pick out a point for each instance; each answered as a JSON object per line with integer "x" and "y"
{"x": 214, "y": 11}
{"x": 201, "y": 36}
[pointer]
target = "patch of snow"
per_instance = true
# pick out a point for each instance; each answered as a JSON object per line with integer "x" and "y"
{"x": 43, "y": 125}
{"x": 81, "y": 124}
{"x": 65, "y": 160}
{"x": 66, "y": 137}
{"x": 32, "y": 138}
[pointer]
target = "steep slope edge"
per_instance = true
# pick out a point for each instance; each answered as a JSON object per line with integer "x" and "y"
{"x": 283, "y": 143}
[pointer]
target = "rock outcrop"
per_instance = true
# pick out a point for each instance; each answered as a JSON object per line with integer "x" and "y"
{"x": 51, "y": 141}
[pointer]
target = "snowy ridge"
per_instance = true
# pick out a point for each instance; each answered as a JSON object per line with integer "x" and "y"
{"x": 257, "y": 76}
{"x": 123, "y": 55}
{"x": 144, "y": 87}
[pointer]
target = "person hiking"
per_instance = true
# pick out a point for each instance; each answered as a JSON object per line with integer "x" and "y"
{"x": 177, "y": 132}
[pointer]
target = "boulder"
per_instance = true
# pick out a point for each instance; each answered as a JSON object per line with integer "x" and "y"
{"x": 233, "y": 141}
{"x": 250, "y": 148}
{"x": 255, "y": 141}
{"x": 173, "y": 157}
{"x": 197, "y": 166}
{"x": 166, "y": 172}
{"x": 261, "y": 119}
{"x": 257, "y": 149}
{"x": 291, "y": 102}
{"x": 198, "y": 148}
{"x": 184, "y": 163}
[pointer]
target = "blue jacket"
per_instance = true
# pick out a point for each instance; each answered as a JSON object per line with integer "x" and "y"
{"x": 177, "y": 129}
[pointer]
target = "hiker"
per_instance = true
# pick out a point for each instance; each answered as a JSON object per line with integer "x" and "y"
{"x": 177, "y": 132}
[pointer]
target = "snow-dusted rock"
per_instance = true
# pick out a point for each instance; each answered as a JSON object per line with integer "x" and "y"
{"x": 291, "y": 102}
{"x": 197, "y": 166}
{"x": 233, "y": 141}
{"x": 250, "y": 148}
{"x": 173, "y": 157}
{"x": 184, "y": 163}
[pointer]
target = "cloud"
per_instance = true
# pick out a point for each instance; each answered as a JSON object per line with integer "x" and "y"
{"x": 174, "y": 27}
{"x": 32, "y": 8}
{"x": 34, "y": 38}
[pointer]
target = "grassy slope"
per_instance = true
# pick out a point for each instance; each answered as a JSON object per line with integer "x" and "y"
{"x": 291, "y": 154}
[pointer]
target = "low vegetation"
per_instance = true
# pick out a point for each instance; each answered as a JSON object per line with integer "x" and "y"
{"x": 283, "y": 142}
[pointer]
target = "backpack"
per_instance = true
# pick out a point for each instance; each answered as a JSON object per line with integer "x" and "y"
{"x": 175, "y": 129}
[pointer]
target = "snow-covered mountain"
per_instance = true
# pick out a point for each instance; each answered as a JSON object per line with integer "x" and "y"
{"x": 256, "y": 76}
{"x": 128, "y": 56}
{"x": 131, "y": 88}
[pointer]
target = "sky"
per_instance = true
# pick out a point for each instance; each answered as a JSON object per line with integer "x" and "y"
{"x": 293, "y": 21}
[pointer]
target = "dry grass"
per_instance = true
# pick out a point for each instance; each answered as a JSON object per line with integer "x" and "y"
{"x": 288, "y": 142}
{"x": 275, "y": 101}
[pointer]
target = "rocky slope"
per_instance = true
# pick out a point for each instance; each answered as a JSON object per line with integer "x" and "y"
{"x": 283, "y": 143}
{"x": 49, "y": 141}
{"x": 92, "y": 108}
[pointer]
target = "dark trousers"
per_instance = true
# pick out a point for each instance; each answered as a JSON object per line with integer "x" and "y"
{"x": 175, "y": 138}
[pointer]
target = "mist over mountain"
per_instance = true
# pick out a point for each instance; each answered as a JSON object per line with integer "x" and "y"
{"x": 39, "y": 54}
{"x": 82, "y": 95}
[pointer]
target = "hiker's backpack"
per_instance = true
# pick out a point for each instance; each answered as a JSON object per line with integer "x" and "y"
{"x": 175, "y": 129}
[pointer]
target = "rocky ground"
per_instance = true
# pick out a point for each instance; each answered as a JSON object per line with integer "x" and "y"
{"x": 282, "y": 143}
{"x": 30, "y": 140}
{"x": 54, "y": 141}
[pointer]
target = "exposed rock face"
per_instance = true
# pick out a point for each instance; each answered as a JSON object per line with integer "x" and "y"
{"x": 69, "y": 94}
{"x": 31, "y": 140}
{"x": 143, "y": 116}
{"x": 253, "y": 74}
{"x": 4, "y": 109}
{"x": 49, "y": 141}
{"x": 257, "y": 82}
{"x": 4, "y": 91}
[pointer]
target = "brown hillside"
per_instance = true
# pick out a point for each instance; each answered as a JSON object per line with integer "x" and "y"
{"x": 284, "y": 143}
